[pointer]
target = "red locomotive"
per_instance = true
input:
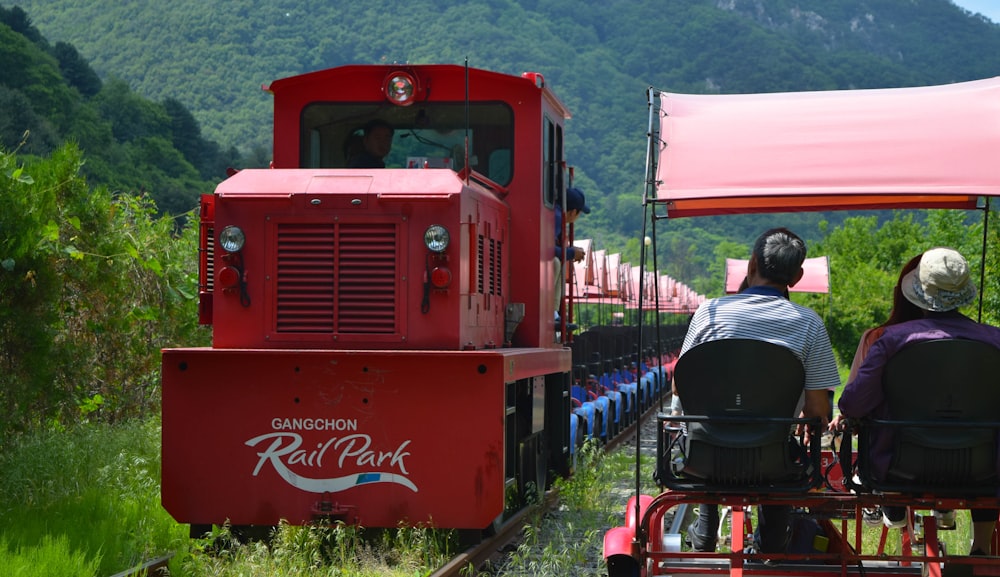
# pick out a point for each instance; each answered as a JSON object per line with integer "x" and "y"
{"x": 384, "y": 346}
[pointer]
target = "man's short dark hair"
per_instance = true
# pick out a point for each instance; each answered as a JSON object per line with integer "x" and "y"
{"x": 780, "y": 254}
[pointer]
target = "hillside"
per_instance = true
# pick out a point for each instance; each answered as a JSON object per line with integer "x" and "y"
{"x": 51, "y": 97}
{"x": 599, "y": 56}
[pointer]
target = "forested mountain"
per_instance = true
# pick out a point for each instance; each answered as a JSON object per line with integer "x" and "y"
{"x": 599, "y": 55}
{"x": 50, "y": 95}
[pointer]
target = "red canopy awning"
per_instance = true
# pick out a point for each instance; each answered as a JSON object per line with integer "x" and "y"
{"x": 928, "y": 147}
{"x": 815, "y": 275}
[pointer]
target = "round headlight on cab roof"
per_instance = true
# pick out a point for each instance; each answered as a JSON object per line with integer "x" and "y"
{"x": 436, "y": 238}
{"x": 400, "y": 88}
{"x": 232, "y": 239}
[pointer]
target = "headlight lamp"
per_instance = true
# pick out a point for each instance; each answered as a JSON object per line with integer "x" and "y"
{"x": 436, "y": 238}
{"x": 232, "y": 239}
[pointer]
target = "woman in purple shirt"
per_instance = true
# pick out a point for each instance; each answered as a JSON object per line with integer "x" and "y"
{"x": 938, "y": 286}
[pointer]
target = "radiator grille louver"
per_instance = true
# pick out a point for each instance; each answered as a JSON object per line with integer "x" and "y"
{"x": 367, "y": 282}
{"x": 489, "y": 280}
{"x": 305, "y": 297}
{"x": 209, "y": 280}
{"x": 336, "y": 278}
{"x": 498, "y": 268}
{"x": 480, "y": 265}
{"x": 494, "y": 267}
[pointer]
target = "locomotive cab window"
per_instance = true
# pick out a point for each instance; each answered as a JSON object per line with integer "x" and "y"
{"x": 426, "y": 135}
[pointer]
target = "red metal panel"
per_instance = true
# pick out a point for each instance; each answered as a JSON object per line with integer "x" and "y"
{"x": 257, "y": 436}
{"x": 319, "y": 276}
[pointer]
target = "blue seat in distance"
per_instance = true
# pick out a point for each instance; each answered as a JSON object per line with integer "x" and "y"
{"x": 629, "y": 393}
{"x": 646, "y": 386}
{"x": 654, "y": 385}
{"x": 658, "y": 376}
{"x": 603, "y": 405}
{"x": 615, "y": 398}
{"x": 944, "y": 398}
{"x": 739, "y": 398}
{"x": 588, "y": 411}
{"x": 574, "y": 426}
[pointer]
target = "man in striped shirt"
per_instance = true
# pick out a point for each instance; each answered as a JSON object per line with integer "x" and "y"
{"x": 762, "y": 311}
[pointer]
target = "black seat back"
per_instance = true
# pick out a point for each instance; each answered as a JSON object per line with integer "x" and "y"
{"x": 739, "y": 396}
{"x": 944, "y": 405}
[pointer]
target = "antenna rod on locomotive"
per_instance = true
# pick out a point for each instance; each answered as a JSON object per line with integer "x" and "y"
{"x": 468, "y": 170}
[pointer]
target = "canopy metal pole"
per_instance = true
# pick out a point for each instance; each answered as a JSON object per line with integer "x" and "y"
{"x": 982, "y": 266}
{"x": 649, "y": 193}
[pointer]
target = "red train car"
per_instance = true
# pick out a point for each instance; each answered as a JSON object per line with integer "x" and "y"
{"x": 383, "y": 348}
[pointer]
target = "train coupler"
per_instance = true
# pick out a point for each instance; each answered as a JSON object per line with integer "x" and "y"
{"x": 327, "y": 512}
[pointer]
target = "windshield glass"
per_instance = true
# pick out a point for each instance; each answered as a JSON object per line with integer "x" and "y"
{"x": 429, "y": 135}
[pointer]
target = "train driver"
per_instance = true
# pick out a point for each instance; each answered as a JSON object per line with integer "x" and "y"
{"x": 377, "y": 141}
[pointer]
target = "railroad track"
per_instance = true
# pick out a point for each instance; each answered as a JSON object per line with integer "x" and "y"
{"x": 151, "y": 568}
{"x": 478, "y": 555}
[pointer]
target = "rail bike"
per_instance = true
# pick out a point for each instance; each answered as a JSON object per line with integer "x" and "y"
{"x": 927, "y": 147}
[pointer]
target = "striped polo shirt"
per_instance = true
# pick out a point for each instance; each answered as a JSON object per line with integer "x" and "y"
{"x": 761, "y": 313}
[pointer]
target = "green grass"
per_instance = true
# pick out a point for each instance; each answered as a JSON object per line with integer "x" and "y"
{"x": 333, "y": 551}
{"x": 53, "y": 556}
{"x": 956, "y": 541}
{"x": 83, "y": 501}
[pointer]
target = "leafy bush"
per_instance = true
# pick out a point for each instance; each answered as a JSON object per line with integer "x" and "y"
{"x": 92, "y": 286}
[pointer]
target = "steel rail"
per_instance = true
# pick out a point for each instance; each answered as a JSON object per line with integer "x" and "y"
{"x": 477, "y": 555}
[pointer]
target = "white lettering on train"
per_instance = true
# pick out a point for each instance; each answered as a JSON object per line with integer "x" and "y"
{"x": 313, "y": 424}
{"x": 354, "y": 452}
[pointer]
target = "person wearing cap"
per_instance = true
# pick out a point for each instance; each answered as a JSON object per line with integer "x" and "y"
{"x": 576, "y": 204}
{"x": 377, "y": 142}
{"x": 939, "y": 285}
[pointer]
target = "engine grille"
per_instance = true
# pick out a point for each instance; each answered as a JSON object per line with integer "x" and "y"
{"x": 336, "y": 278}
{"x": 208, "y": 277}
{"x": 366, "y": 284}
{"x": 489, "y": 280}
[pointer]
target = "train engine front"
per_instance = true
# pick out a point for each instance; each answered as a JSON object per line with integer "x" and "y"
{"x": 383, "y": 345}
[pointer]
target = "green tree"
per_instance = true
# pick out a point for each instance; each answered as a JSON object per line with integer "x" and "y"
{"x": 18, "y": 21}
{"x": 36, "y": 75}
{"x": 131, "y": 116}
{"x": 991, "y": 272}
{"x": 21, "y": 128}
{"x": 76, "y": 70}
